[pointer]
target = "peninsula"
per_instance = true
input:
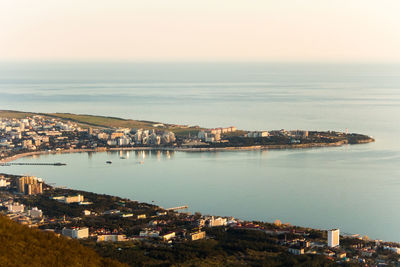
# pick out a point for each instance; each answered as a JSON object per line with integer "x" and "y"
{"x": 27, "y": 133}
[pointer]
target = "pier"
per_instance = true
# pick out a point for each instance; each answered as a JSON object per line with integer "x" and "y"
{"x": 45, "y": 164}
{"x": 178, "y": 208}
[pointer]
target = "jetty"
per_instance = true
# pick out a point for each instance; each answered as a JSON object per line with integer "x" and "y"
{"x": 45, "y": 164}
{"x": 177, "y": 208}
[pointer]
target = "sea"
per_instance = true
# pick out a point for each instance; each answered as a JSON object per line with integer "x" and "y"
{"x": 355, "y": 188}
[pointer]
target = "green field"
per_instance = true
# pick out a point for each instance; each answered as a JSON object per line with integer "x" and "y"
{"x": 101, "y": 121}
{"x": 14, "y": 114}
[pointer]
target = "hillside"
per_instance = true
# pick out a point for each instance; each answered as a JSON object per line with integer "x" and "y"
{"x": 23, "y": 246}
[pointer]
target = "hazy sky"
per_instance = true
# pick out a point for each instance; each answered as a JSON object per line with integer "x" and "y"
{"x": 164, "y": 30}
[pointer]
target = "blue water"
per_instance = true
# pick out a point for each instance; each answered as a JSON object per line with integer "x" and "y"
{"x": 355, "y": 188}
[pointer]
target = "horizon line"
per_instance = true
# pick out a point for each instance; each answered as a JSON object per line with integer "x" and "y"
{"x": 197, "y": 61}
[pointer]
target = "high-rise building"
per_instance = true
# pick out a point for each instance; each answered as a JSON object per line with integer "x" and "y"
{"x": 333, "y": 238}
{"x": 29, "y": 185}
{"x": 33, "y": 189}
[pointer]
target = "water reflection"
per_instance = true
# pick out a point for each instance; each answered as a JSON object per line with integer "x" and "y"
{"x": 309, "y": 187}
{"x": 138, "y": 154}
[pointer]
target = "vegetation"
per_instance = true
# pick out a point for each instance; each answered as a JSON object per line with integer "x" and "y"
{"x": 247, "y": 244}
{"x": 282, "y": 140}
{"x": 100, "y": 204}
{"x": 224, "y": 247}
{"x": 14, "y": 114}
{"x": 102, "y": 121}
{"x": 228, "y": 248}
{"x": 23, "y": 246}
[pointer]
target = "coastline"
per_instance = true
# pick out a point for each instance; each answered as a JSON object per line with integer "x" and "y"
{"x": 247, "y": 148}
{"x": 183, "y": 149}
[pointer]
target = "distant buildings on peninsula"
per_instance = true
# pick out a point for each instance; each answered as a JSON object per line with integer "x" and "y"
{"x": 214, "y": 135}
{"x": 44, "y": 133}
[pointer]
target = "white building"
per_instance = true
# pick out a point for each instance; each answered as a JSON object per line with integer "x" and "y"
{"x": 212, "y": 135}
{"x": 258, "y": 134}
{"x": 72, "y": 199}
{"x": 333, "y": 238}
{"x": 35, "y": 213}
{"x": 212, "y": 222}
{"x": 16, "y": 208}
{"x": 124, "y": 141}
{"x": 4, "y": 183}
{"x": 168, "y": 137}
{"x": 394, "y": 249}
{"x": 76, "y": 232}
{"x": 86, "y": 212}
{"x": 149, "y": 233}
{"x": 103, "y": 136}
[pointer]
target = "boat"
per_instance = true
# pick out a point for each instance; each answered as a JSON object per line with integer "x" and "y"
{"x": 108, "y": 161}
{"x": 122, "y": 157}
{"x": 141, "y": 162}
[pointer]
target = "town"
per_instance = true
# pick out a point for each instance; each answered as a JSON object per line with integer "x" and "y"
{"x": 100, "y": 219}
{"x": 44, "y": 134}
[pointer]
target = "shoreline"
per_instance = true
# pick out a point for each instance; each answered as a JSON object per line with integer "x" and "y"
{"x": 247, "y": 148}
{"x": 183, "y": 149}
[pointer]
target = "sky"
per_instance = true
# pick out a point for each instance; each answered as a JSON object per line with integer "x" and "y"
{"x": 202, "y": 30}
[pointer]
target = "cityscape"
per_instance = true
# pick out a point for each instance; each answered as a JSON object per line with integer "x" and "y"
{"x": 74, "y": 214}
{"x": 157, "y": 226}
{"x": 46, "y": 134}
{"x": 206, "y": 133}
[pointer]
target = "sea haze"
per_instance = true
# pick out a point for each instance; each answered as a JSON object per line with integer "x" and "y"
{"x": 355, "y": 188}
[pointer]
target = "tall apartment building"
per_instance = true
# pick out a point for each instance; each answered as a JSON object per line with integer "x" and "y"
{"x": 29, "y": 185}
{"x": 33, "y": 189}
{"x": 333, "y": 238}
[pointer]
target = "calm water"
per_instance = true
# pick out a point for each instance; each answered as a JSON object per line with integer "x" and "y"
{"x": 355, "y": 188}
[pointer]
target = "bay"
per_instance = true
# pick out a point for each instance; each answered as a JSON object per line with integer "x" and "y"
{"x": 355, "y": 188}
